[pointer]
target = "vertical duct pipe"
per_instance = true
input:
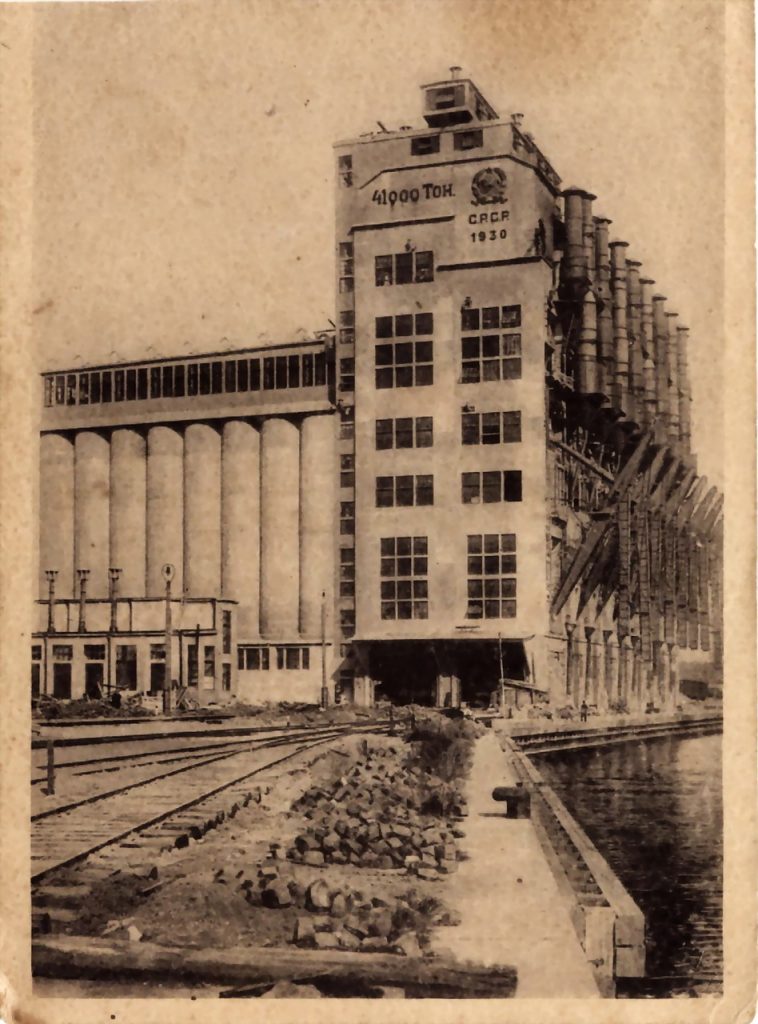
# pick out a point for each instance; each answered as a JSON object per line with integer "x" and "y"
{"x": 648, "y": 352}
{"x": 661, "y": 337}
{"x": 91, "y": 517}
{"x": 202, "y": 511}
{"x": 317, "y": 484}
{"x": 56, "y": 514}
{"x": 280, "y": 516}
{"x": 127, "y": 510}
{"x": 604, "y": 313}
{"x": 634, "y": 333}
{"x": 588, "y": 234}
{"x": 672, "y": 407}
{"x": 574, "y": 260}
{"x": 165, "y": 512}
{"x": 586, "y": 355}
{"x": 240, "y": 523}
{"x": 620, "y": 342}
{"x": 683, "y": 379}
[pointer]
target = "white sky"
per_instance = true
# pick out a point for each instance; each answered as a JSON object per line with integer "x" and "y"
{"x": 184, "y": 166}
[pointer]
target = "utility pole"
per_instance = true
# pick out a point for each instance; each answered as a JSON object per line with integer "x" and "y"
{"x": 113, "y": 578}
{"x": 168, "y": 575}
{"x": 82, "y": 574}
{"x": 324, "y": 687}
{"x": 502, "y": 674}
{"x": 50, "y": 575}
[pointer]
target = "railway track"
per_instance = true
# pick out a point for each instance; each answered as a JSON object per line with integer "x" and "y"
{"x": 155, "y": 811}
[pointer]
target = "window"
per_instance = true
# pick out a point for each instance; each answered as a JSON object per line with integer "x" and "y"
{"x": 490, "y": 427}
{"x": 490, "y": 317}
{"x": 36, "y": 652}
{"x": 226, "y": 676}
{"x": 404, "y": 268}
{"x": 490, "y": 357}
{"x": 347, "y": 517}
{"x": 347, "y": 471}
{"x": 404, "y": 490}
{"x": 404, "y": 589}
{"x": 292, "y": 658}
{"x": 347, "y": 565}
{"x": 345, "y": 171}
{"x": 347, "y": 375}
{"x": 347, "y": 318}
{"x": 94, "y": 652}
{"x": 491, "y": 576}
{"x": 142, "y": 381}
{"x": 94, "y": 387}
{"x": 157, "y": 652}
{"x": 347, "y": 621}
{"x": 49, "y": 391}
{"x": 209, "y": 662}
{"x": 118, "y": 385}
{"x": 107, "y": 385}
{"x": 491, "y": 486}
{"x": 446, "y": 97}
{"x": 230, "y": 376}
{"x": 83, "y": 389}
{"x": 472, "y": 139}
{"x": 253, "y": 659}
{"x": 226, "y": 631}
{"x": 63, "y": 652}
{"x": 405, "y": 432}
{"x": 404, "y": 364}
{"x": 424, "y": 144}
{"x": 192, "y": 665}
{"x": 405, "y": 325}
{"x": 347, "y": 423}
{"x": 255, "y": 375}
{"x": 71, "y": 388}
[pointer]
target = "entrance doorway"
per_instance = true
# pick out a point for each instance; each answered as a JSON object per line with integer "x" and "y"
{"x": 405, "y": 671}
{"x": 62, "y": 680}
{"x": 157, "y": 676}
{"x": 93, "y": 679}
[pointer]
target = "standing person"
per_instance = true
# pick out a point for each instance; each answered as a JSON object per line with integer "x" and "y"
{"x": 583, "y": 711}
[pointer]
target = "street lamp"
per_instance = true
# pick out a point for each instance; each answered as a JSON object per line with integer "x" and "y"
{"x": 324, "y": 688}
{"x": 168, "y": 574}
{"x": 50, "y": 575}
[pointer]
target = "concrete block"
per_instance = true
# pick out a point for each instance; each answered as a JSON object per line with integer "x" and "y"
{"x": 630, "y": 961}
{"x": 598, "y": 937}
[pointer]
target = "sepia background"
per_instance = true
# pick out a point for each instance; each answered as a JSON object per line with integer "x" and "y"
{"x": 184, "y": 165}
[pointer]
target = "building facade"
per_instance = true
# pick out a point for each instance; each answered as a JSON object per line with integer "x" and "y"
{"x": 479, "y": 487}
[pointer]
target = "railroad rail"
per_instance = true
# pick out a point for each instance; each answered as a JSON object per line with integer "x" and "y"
{"x": 65, "y": 835}
{"x": 575, "y": 739}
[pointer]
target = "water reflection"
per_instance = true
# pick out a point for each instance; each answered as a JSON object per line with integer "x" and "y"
{"x": 654, "y": 810}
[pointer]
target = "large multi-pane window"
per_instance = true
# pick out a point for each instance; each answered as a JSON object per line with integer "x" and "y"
{"x": 347, "y": 572}
{"x": 404, "y": 364}
{"x": 405, "y": 432}
{"x": 408, "y": 267}
{"x": 491, "y": 486}
{"x": 490, "y": 427}
{"x": 491, "y": 576}
{"x": 487, "y": 354}
{"x": 293, "y": 658}
{"x": 404, "y": 588}
{"x": 268, "y": 373}
{"x": 347, "y": 470}
{"x": 404, "y": 490}
{"x": 253, "y": 658}
{"x": 347, "y": 517}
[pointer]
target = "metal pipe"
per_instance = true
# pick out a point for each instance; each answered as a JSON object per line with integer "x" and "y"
{"x": 620, "y": 340}
{"x": 573, "y": 259}
{"x": 672, "y": 407}
{"x": 661, "y": 336}
{"x": 586, "y": 358}
{"x": 604, "y": 314}
{"x": 634, "y": 331}
{"x": 682, "y": 340}
{"x": 588, "y": 234}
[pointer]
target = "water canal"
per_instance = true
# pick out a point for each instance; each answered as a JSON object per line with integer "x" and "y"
{"x": 654, "y": 810}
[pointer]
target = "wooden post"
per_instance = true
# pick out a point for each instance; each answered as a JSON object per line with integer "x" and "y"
{"x": 51, "y": 767}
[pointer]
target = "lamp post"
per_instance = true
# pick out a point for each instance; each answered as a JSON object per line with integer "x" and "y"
{"x": 50, "y": 575}
{"x": 113, "y": 578}
{"x": 82, "y": 574}
{"x": 168, "y": 574}
{"x": 324, "y": 688}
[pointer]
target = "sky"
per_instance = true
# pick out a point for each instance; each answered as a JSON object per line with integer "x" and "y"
{"x": 183, "y": 155}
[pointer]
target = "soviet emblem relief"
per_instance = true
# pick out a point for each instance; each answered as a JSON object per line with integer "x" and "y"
{"x": 488, "y": 186}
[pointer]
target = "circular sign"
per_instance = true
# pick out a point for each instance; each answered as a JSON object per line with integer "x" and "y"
{"x": 488, "y": 186}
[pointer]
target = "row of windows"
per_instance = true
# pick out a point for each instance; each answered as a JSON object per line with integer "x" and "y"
{"x": 287, "y": 658}
{"x": 404, "y": 325}
{"x": 487, "y": 318}
{"x": 488, "y": 487}
{"x": 490, "y": 427}
{"x": 268, "y": 373}
{"x": 491, "y": 577}
{"x": 404, "y": 268}
{"x": 421, "y": 145}
{"x": 405, "y": 432}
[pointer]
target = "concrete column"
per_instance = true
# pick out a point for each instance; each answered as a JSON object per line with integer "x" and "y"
{"x": 626, "y": 655}
{"x": 596, "y": 670}
{"x": 637, "y": 688}
{"x": 673, "y": 689}
{"x": 280, "y": 528}
{"x": 240, "y": 522}
{"x": 165, "y": 511}
{"x": 447, "y": 693}
{"x": 56, "y": 514}
{"x": 317, "y": 483}
{"x": 590, "y": 683}
{"x": 579, "y": 652}
{"x": 610, "y": 669}
{"x": 128, "y": 509}
{"x": 91, "y": 501}
{"x": 664, "y": 680}
{"x": 202, "y": 511}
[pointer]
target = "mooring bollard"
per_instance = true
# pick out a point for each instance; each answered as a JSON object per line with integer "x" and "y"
{"x": 518, "y": 803}
{"x": 51, "y": 767}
